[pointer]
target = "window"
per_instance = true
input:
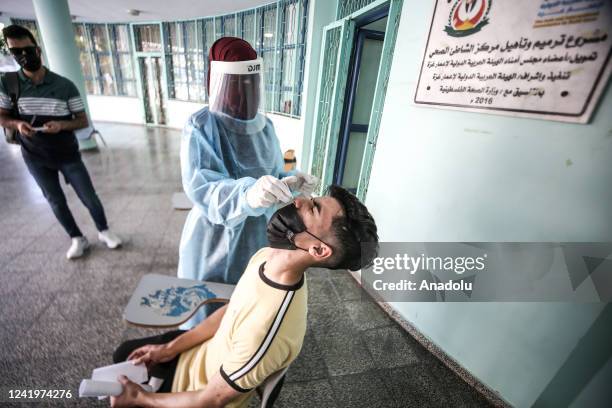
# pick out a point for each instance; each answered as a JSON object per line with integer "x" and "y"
{"x": 267, "y": 47}
{"x": 276, "y": 31}
{"x": 346, "y": 7}
{"x": 148, "y": 38}
{"x": 293, "y": 49}
{"x": 229, "y": 25}
{"x": 280, "y": 39}
{"x": 106, "y": 58}
{"x": 101, "y": 54}
{"x": 249, "y": 28}
{"x": 82, "y": 42}
{"x": 219, "y": 31}
{"x": 185, "y": 59}
{"x": 122, "y": 59}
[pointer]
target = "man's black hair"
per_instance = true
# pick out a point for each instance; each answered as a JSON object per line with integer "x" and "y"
{"x": 355, "y": 227}
{"x": 17, "y": 32}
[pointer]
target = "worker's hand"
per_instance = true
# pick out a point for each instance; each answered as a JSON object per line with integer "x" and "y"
{"x": 53, "y": 127}
{"x": 267, "y": 191}
{"x": 302, "y": 182}
{"x": 151, "y": 354}
{"x": 130, "y": 397}
{"x": 25, "y": 129}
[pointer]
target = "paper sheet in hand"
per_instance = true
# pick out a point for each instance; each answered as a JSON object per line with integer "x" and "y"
{"x": 136, "y": 373}
{"x": 162, "y": 301}
{"x": 92, "y": 388}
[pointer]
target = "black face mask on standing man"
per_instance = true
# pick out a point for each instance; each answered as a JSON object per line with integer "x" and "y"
{"x": 27, "y": 57}
{"x": 284, "y": 225}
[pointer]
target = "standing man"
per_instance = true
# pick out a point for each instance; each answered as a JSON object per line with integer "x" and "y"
{"x": 49, "y": 110}
{"x": 232, "y": 170}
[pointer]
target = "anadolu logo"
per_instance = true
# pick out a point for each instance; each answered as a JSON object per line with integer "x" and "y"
{"x": 253, "y": 68}
{"x": 468, "y": 17}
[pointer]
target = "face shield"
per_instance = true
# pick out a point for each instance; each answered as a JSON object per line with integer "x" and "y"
{"x": 236, "y": 88}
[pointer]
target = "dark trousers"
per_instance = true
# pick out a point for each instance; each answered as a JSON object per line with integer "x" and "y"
{"x": 75, "y": 173}
{"x": 164, "y": 371}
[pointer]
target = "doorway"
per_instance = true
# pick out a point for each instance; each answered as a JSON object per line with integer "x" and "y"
{"x": 356, "y": 58}
{"x": 152, "y": 90}
{"x": 361, "y": 85}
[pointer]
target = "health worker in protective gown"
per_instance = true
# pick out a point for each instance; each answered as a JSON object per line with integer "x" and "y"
{"x": 232, "y": 171}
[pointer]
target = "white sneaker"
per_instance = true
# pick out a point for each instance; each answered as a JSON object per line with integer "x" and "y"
{"x": 77, "y": 248}
{"x": 109, "y": 238}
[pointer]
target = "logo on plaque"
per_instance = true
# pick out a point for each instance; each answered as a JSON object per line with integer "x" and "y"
{"x": 467, "y": 17}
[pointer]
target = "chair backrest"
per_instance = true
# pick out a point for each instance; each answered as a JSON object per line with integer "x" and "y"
{"x": 270, "y": 389}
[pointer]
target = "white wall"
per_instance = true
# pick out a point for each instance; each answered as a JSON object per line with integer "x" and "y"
{"x": 441, "y": 175}
{"x": 290, "y": 134}
{"x": 120, "y": 109}
{"x": 177, "y": 112}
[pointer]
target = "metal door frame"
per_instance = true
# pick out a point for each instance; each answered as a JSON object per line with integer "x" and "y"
{"x": 330, "y": 136}
{"x": 163, "y": 74}
{"x": 347, "y": 117}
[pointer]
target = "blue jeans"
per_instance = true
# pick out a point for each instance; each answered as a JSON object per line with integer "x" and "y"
{"x": 75, "y": 173}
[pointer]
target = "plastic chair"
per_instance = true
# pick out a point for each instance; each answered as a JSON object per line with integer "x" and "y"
{"x": 271, "y": 388}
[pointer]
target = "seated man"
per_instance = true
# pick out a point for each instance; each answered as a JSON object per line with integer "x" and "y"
{"x": 260, "y": 331}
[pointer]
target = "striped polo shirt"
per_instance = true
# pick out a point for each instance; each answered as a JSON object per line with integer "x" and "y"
{"x": 261, "y": 333}
{"x": 55, "y": 98}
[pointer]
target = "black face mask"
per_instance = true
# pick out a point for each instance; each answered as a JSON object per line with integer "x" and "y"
{"x": 284, "y": 225}
{"x": 28, "y": 60}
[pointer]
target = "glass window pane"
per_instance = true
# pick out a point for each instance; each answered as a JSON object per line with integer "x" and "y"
{"x": 209, "y": 34}
{"x": 248, "y": 28}
{"x": 148, "y": 38}
{"x": 122, "y": 38}
{"x": 290, "y": 23}
{"x": 218, "y": 27}
{"x": 106, "y": 75}
{"x": 80, "y": 38}
{"x": 269, "y": 28}
{"x": 125, "y": 65}
{"x": 85, "y": 64}
{"x": 91, "y": 87}
{"x": 258, "y": 29}
{"x": 98, "y": 38}
{"x": 268, "y": 58}
{"x": 230, "y": 26}
{"x": 129, "y": 88}
{"x": 352, "y": 167}
{"x": 288, "y": 79}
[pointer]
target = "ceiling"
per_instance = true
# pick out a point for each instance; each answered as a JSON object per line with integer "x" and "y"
{"x": 150, "y": 10}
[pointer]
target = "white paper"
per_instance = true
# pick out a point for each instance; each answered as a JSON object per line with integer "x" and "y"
{"x": 93, "y": 388}
{"x": 135, "y": 373}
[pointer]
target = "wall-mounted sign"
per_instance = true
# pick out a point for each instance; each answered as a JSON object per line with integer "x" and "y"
{"x": 536, "y": 58}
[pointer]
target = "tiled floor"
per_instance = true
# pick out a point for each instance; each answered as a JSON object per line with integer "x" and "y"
{"x": 60, "y": 319}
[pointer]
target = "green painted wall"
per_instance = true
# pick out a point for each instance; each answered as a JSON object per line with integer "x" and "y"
{"x": 441, "y": 175}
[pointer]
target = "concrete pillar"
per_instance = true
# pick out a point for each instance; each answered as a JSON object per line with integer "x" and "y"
{"x": 57, "y": 33}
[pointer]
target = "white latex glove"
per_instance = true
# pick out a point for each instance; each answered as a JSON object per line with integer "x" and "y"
{"x": 267, "y": 191}
{"x": 302, "y": 182}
